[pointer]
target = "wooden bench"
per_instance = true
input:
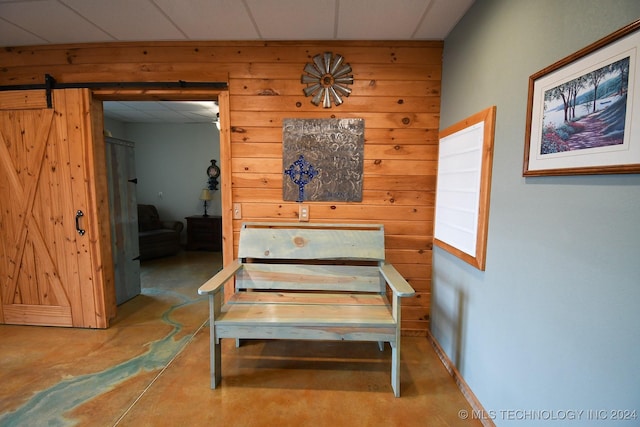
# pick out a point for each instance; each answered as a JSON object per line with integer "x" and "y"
{"x": 308, "y": 281}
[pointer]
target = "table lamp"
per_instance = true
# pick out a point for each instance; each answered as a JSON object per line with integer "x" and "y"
{"x": 205, "y": 196}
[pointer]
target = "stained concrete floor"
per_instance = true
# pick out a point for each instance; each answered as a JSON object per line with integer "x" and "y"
{"x": 151, "y": 368}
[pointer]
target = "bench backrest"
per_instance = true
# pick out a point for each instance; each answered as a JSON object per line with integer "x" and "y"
{"x": 304, "y": 256}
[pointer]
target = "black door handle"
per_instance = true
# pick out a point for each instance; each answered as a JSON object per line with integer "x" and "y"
{"x": 78, "y": 229}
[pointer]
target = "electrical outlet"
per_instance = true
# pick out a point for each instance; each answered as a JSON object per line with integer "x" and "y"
{"x": 237, "y": 211}
{"x": 303, "y": 213}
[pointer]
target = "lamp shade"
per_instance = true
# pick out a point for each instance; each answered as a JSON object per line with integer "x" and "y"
{"x": 205, "y": 194}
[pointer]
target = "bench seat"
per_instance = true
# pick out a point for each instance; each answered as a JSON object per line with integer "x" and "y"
{"x": 320, "y": 311}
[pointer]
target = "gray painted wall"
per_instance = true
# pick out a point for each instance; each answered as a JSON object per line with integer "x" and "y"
{"x": 172, "y": 159}
{"x": 554, "y": 321}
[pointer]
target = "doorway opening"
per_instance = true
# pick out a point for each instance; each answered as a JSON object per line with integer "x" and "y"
{"x": 174, "y": 142}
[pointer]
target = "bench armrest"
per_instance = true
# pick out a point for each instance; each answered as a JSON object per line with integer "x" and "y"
{"x": 217, "y": 282}
{"x": 396, "y": 282}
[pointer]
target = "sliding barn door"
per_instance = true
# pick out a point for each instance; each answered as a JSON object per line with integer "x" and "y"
{"x": 51, "y": 192}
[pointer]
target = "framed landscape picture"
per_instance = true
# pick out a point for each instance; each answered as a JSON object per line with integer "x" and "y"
{"x": 583, "y": 112}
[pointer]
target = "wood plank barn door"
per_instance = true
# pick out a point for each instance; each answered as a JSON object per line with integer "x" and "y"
{"x": 51, "y": 270}
{"x": 121, "y": 173}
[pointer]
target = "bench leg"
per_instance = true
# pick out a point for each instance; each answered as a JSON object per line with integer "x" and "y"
{"x": 395, "y": 367}
{"x": 215, "y": 363}
{"x": 214, "y": 345}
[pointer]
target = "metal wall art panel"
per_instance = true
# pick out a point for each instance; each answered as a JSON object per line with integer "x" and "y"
{"x": 323, "y": 159}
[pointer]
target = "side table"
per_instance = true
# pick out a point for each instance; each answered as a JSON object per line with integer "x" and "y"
{"x": 204, "y": 232}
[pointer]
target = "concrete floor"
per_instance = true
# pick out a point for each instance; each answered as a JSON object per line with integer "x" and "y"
{"x": 151, "y": 368}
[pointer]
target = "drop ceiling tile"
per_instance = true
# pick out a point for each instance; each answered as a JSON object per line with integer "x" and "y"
{"x": 161, "y": 111}
{"x": 114, "y": 115}
{"x": 117, "y": 106}
{"x": 131, "y": 116}
{"x": 211, "y": 19}
{"x": 442, "y": 17}
{"x": 17, "y": 35}
{"x": 164, "y": 115}
{"x": 190, "y": 106}
{"x": 294, "y": 19}
{"x": 52, "y": 21}
{"x": 145, "y": 105}
{"x": 127, "y": 19}
{"x": 379, "y": 19}
{"x": 199, "y": 117}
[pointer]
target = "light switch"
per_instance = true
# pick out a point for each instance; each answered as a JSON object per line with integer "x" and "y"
{"x": 237, "y": 211}
{"x": 303, "y": 213}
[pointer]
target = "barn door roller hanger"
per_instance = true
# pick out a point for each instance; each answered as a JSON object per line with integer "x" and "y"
{"x": 50, "y": 84}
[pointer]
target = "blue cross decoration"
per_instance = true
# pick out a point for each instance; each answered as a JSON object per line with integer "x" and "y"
{"x": 301, "y": 173}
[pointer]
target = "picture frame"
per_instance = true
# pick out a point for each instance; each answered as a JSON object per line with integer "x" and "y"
{"x": 583, "y": 112}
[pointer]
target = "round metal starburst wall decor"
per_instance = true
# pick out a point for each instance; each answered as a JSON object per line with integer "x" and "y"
{"x": 327, "y": 79}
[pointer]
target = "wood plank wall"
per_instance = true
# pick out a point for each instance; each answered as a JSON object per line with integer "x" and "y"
{"x": 396, "y": 90}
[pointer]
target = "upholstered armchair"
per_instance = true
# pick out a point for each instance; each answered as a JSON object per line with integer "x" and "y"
{"x": 157, "y": 238}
